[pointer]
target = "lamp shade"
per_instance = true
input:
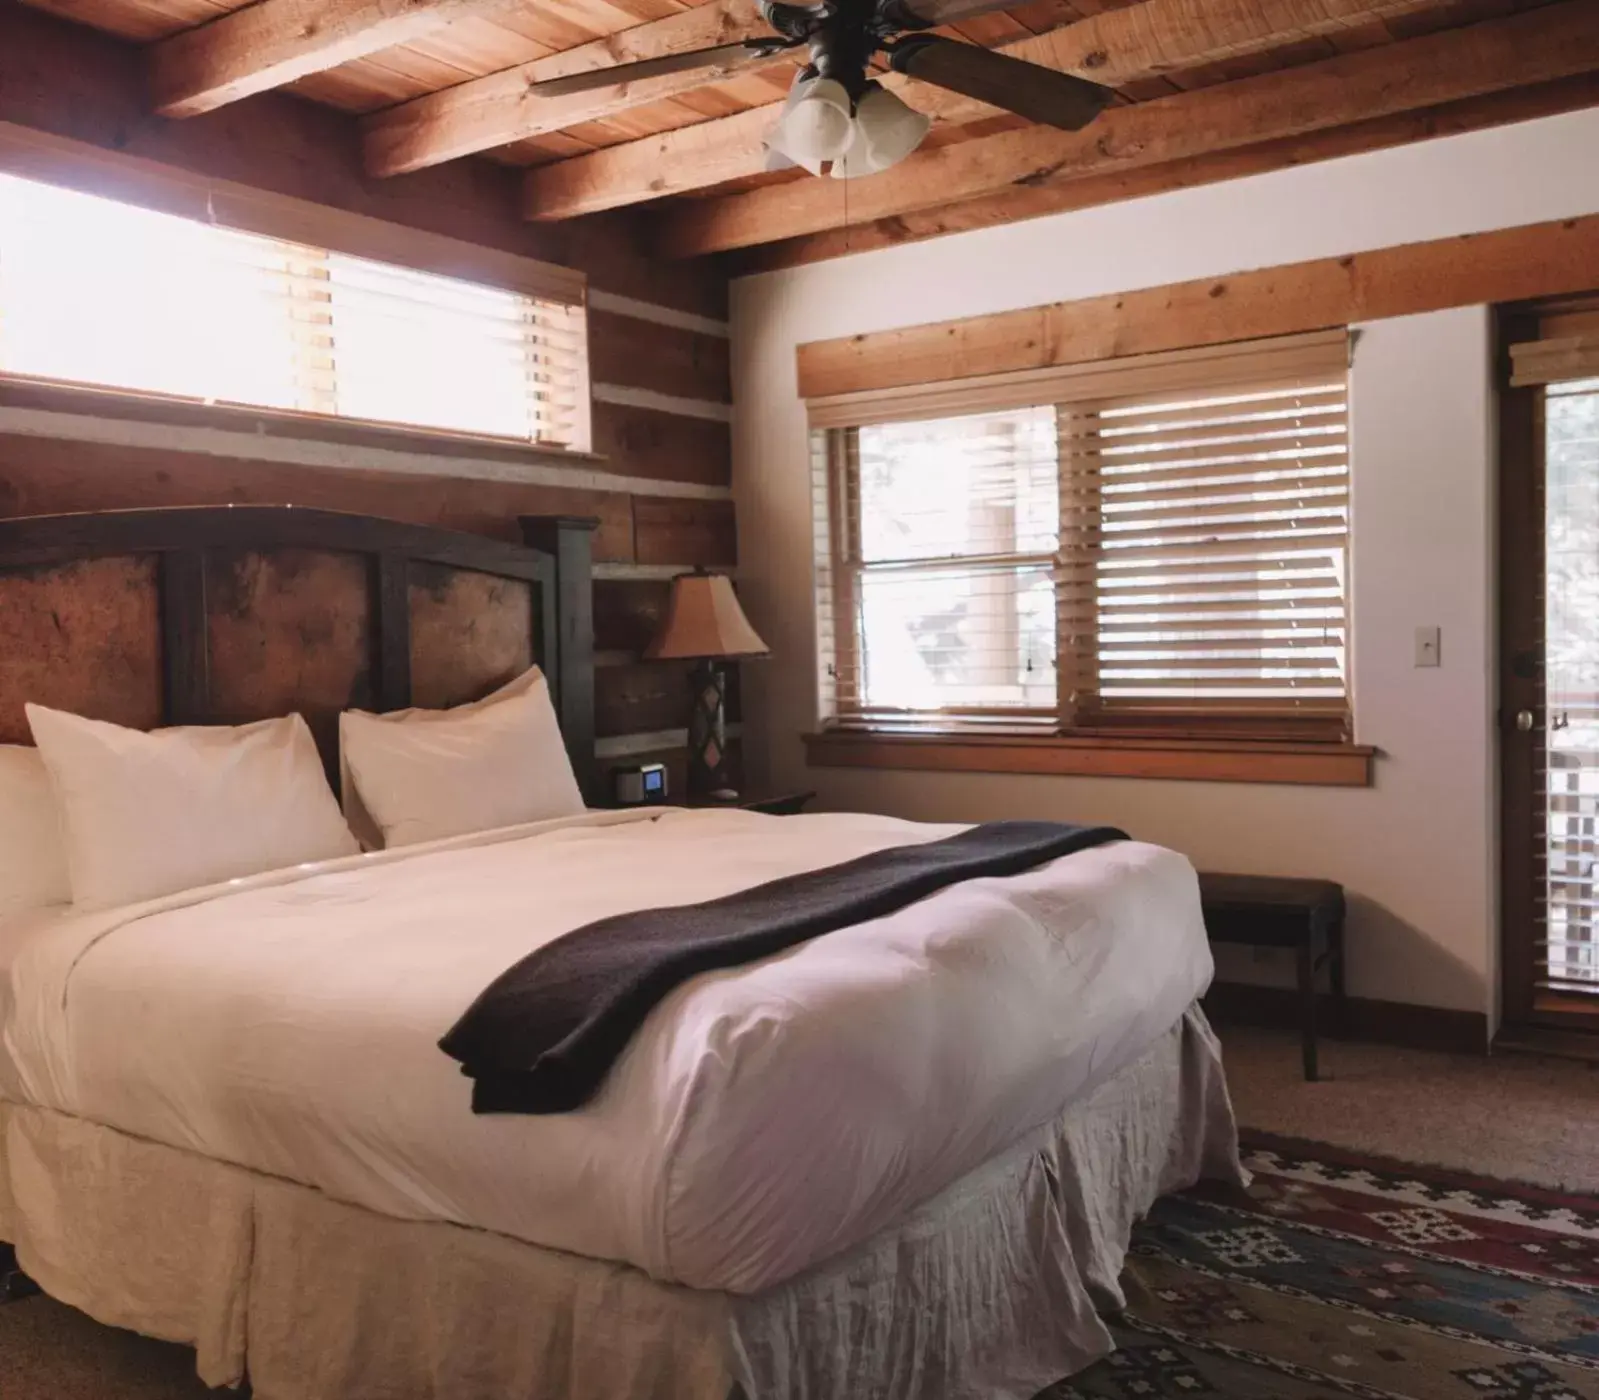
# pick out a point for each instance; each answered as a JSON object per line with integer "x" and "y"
{"x": 815, "y": 126}
{"x": 703, "y": 618}
{"x": 886, "y": 131}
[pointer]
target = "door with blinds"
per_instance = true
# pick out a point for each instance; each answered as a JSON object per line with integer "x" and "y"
{"x": 1549, "y": 545}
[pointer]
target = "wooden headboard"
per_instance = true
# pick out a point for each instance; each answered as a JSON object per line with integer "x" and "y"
{"x": 228, "y": 614}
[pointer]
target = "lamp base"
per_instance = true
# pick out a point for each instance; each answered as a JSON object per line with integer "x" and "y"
{"x": 707, "y": 733}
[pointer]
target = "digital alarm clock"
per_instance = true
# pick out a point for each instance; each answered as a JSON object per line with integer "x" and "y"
{"x": 642, "y": 783}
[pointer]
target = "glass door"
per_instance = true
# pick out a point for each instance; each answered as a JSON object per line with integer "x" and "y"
{"x": 1567, "y": 915}
{"x": 1549, "y": 680}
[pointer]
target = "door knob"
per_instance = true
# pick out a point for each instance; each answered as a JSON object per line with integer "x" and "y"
{"x": 1525, "y": 719}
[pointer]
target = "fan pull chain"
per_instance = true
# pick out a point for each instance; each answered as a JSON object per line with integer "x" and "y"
{"x": 849, "y": 232}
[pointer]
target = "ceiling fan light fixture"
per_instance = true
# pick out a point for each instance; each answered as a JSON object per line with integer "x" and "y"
{"x": 886, "y": 130}
{"x": 816, "y": 126}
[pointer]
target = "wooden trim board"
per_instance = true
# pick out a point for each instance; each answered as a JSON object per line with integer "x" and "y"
{"x": 1518, "y": 264}
{"x": 1200, "y": 760}
{"x": 1365, "y": 1018}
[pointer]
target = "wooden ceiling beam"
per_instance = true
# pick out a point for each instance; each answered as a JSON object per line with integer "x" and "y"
{"x": 1113, "y": 48}
{"x": 275, "y": 42}
{"x": 1535, "y": 46}
{"x": 500, "y": 108}
{"x": 1381, "y": 133}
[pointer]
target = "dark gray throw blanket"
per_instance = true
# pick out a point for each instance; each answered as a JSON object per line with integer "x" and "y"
{"x": 543, "y": 1036}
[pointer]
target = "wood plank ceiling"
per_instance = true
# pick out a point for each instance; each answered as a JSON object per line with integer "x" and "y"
{"x": 1206, "y": 89}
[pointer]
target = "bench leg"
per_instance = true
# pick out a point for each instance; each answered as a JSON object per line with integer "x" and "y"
{"x": 1335, "y": 943}
{"x": 14, "y": 1284}
{"x": 1307, "y": 1004}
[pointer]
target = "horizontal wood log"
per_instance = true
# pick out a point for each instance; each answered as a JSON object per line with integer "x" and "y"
{"x": 642, "y": 697}
{"x": 47, "y": 476}
{"x": 275, "y": 42}
{"x": 1451, "y": 119}
{"x": 679, "y": 532}
{"x": 1541, "y": 45}
{"x": 1113, "y": 48}
{"x": 498, "y": 109}
{"x": 1536, "y": 260}
{"x": 664, "y": 446}
{"x": 627, "y": 613}
{"x": 651, "y": 695}
{"x": 667, "y": 359}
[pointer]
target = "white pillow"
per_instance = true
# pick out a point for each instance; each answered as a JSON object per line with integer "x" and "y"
{"x": 33, "y": 856}
{"x": 149, "y": 814}
{"x": 422, "y": 775}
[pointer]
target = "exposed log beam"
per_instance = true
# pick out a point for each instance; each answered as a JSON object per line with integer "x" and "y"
{"x": 1113, "y": 48}
{"x": 671, "y": 162}
{"x": 499, "y": 109}
{"x": 1473, "y": 114}
{"x": 1537, "y": 46}
{"x": 277, "y": 41}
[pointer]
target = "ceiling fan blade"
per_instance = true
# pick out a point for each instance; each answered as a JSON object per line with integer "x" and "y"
{"x": 1039, "y": 94}
{"x": 725, "y": 58}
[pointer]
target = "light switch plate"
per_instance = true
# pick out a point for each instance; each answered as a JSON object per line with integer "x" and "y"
{"x": 1428, "y": 646}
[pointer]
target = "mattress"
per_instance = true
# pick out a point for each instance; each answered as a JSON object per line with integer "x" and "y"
{"x": 764, "y": 1119}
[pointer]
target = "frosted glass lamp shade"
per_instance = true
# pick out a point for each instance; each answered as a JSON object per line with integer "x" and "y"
{"x": 703, "y": 619}
{"x": 886, "y": 131}
{"x": 816, "y": 125}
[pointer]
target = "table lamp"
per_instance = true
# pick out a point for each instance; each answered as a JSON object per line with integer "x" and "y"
{"x": 705, "y": 623}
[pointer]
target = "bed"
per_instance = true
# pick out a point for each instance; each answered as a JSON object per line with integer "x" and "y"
{"x": 900, "y": 1160}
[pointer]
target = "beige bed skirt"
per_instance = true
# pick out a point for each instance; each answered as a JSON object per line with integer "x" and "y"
{"x": 990, "y": 1290}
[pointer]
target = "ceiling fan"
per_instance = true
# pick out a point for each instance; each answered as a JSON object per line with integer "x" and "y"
{"x": 837, "y": 116}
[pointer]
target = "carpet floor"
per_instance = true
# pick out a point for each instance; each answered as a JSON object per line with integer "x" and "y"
{"x": 1513, "y": 1116}
{"x": 1338, "y": 1274}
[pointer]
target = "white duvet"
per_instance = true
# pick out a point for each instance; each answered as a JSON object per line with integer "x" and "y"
{"x": 763, "y": 1119}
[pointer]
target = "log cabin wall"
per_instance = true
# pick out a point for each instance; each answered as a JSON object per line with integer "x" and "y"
{"x": 658, "y": 369}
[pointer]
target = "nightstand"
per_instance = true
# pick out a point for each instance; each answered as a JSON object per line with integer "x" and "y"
{"x": 787, "y": 804}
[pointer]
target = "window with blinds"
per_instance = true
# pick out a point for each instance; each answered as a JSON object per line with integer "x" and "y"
{"x": 97, "y": 292}
{"x": 1152, "y": 544}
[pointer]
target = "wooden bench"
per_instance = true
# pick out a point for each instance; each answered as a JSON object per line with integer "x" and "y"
{"x": 1266, "y": 912}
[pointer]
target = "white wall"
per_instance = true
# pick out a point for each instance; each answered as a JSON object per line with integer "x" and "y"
{"x": 1416, "y": 851}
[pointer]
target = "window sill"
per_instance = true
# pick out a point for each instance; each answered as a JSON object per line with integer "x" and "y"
{"x": 175, "y": 411}
{"x": 1202, "y": 760}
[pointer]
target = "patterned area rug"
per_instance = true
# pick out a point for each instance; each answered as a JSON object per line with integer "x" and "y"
{"x": 1339, "y": 1275}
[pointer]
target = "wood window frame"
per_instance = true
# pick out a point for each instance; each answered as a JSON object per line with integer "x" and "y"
{"x": 1091, "y": 755}
{"x": 491, "y": 454}
{"x": 1084, "y": 739}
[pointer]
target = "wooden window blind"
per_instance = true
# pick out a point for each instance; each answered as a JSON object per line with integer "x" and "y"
{"x": 93, "y": 291}
{"x": 1154, "y": 544}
